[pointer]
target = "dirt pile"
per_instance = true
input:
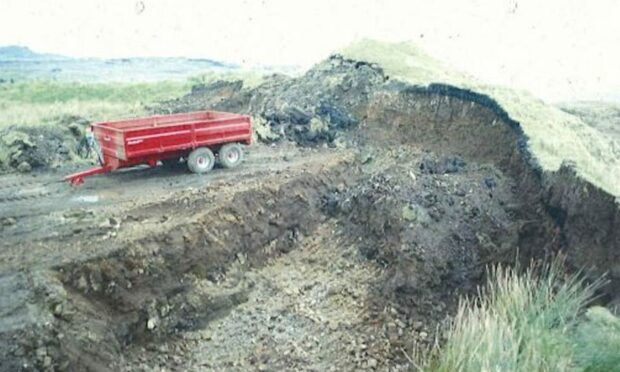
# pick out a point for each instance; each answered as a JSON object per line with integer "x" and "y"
{"x": 24, "y": 148}
{"x": 313, "y": 108}
{"x": 219, "y": 95}
{"x": 448, "y": 120}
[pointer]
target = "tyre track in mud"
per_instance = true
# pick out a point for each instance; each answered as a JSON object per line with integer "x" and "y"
{"x": 24, "y": 187}
{"x": 16, "y": 188}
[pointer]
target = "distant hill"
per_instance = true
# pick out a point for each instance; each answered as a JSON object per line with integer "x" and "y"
{"x": 18, "y": 53}
{"x": 22, "y": 53}
{"x": 20, "y": 63}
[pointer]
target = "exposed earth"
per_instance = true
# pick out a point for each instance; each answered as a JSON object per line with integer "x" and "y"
{"x": 343, "y": 242}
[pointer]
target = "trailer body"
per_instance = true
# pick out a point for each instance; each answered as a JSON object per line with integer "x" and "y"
{"x": 130, "y": 142}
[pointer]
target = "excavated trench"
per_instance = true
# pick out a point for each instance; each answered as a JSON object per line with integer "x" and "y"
{"x": 148, "y": 291}
{"x": 443, "y": 185}
{"x": 429, "y": 240}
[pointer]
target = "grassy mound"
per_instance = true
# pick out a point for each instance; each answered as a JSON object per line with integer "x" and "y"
{"x": 554, "y": 135}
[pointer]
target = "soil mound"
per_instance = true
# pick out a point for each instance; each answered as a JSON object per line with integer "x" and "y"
{"x": 314, "y": 108}
{"x": 24, "y": 148}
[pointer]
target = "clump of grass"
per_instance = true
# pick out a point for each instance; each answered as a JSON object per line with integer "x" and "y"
{"x": 527, "y": 322}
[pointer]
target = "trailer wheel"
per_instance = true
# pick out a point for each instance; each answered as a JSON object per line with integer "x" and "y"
{"x": 201, "y": 160}
{"x": 231, "y": 155}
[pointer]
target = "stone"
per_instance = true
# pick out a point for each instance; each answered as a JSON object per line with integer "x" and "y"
{"x": 24, "y": 167}
{"x": 82, "y": 283}
{"x": 58, "y": 310}
{"x": 115, "y": 223}
{"x": 371, "y": 363}
{"x": 316, "y": 128}
{"x": 151, "y": 324}
{"x": 164, "y": 310}
{"x": 8, "y": 221}
{"x": 409, "y": 214}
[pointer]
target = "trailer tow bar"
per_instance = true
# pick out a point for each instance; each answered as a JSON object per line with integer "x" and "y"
{"x": 77, "y": 179}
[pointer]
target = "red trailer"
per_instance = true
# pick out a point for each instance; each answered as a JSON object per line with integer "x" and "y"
{"x": 198, "y": 137}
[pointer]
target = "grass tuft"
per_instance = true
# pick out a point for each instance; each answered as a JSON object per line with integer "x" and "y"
{"x": 529, "y": 322}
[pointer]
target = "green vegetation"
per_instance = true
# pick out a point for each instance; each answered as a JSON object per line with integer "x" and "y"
{"x": 251, "y": 79}
{"x": 554, "y": 135}
{"x": 530, "y": 322}
{"x": 604, "y": 116}
{"x": 36, "y": 102}
{"x": 42, "y": 102}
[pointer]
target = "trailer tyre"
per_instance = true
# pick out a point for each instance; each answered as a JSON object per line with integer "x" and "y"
{"x": 231, "y": 155}
{"x": 201, "y": 160}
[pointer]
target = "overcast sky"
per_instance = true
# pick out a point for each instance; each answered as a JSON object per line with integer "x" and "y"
{"x": 558, "y": 49}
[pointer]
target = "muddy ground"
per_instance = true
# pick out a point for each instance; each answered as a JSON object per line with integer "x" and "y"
{"x": 367, "y": 208}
